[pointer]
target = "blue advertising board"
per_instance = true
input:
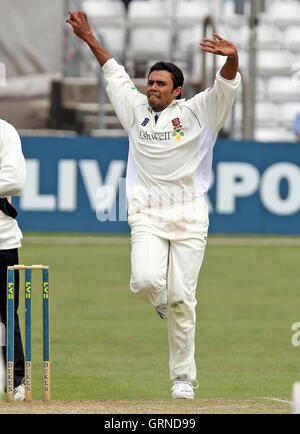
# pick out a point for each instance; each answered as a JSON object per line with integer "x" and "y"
{"x": 78, "y": 185}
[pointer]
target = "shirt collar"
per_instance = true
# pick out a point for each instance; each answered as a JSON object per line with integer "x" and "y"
{"x": 172, "y": 104}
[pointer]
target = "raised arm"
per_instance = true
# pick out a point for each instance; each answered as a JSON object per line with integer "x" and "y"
{"x": 82, "y": 29}
{"x": 223, "y": 48}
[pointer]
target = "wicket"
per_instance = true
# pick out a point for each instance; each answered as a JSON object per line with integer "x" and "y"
{"x": 10, "y": 331}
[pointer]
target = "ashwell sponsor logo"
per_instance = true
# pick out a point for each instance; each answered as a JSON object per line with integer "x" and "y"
{"x": 144, "y": 135}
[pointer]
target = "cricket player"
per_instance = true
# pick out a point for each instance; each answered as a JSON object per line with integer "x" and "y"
{"x": 168, "y": 175}
{"x": 12, "y": 179}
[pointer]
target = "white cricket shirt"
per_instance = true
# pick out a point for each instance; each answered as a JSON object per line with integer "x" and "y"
{"x": 12, "y": 179}
{"x": 170, "y": 161}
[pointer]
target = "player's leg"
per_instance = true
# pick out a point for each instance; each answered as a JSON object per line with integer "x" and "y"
{"x": 2, "y": 362}
{"x": 9, "y": 258}
{"x": 185, "y": 260}
{"x": 149, "y": 263}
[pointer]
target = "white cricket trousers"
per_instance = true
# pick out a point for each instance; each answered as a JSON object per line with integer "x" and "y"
{"x": 166, "y": 258}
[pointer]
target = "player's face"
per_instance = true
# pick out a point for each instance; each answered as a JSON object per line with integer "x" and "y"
{"x": 160, "y": 90}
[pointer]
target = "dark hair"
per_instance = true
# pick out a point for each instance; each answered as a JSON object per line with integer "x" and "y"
{"x": 176, "y": 73}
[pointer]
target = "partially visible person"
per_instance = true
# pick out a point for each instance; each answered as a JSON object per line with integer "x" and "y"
{"x": 297, "y": 125}
{"x": 2, "y": 364}
{"x": 12, "y": 178}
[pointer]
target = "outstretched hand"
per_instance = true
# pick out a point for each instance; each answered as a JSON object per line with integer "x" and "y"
{"x": 218, "y": 46}
{"x": 80, "y": 24}
{"x": 82, "y": 29}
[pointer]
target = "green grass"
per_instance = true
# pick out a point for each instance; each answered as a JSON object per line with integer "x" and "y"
{"x": 107, "y": 344}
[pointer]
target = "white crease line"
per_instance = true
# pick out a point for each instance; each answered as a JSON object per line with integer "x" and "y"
{"x": 278, "y": 400}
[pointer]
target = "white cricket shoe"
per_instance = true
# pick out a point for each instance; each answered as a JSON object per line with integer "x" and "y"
{"x": 162, "y": 311}
{"x": 183, "y": 389}
{"x": 19, "y": 392}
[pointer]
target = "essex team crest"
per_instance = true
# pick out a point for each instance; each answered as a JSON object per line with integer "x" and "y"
{"x": 177, "y": 128}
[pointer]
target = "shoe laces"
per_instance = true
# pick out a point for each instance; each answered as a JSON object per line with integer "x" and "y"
{"x": 194, "y": 384}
